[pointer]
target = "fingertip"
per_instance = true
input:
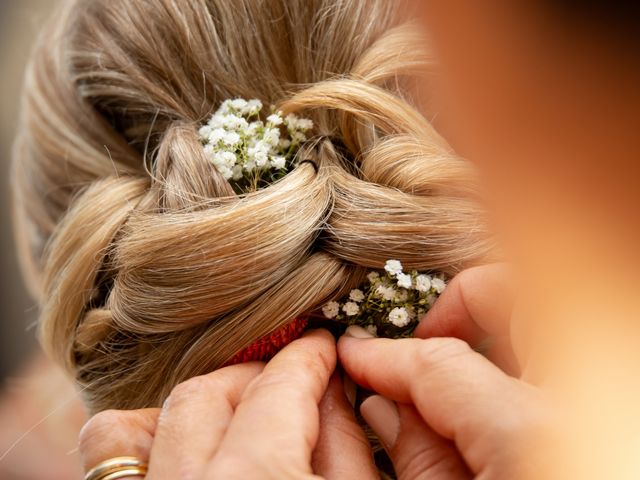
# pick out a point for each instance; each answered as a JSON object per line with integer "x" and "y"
{"x": 319, "y": 333}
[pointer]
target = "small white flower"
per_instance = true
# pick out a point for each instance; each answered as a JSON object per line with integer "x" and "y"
{"x": 284, "y": 143}
{"x": 237, "y": 172}
{"x": 356, "y": 295}
{"x": 298, "y": 137}
{"x": 275, "y": 119}
{"x": 438, "y": 284}
{"x": 209, "y": 151}
{"x": 225, "y": 171}
{"x": 423, "y": 283}
{"x": 271, "y": 136}
{"x": 227, "y": 159}
{"x": 278, "y": 162}
{"x": 216, "y": 120}
{"x": 373, "y": 277}
{"x": 393, "y": 267}
{"x": 259, "y": 154}
{"x": 231, "y": 139}
{"x": 253, "y": 128}
{"x": 291, "y": 121}
{"x": 386, "y": 292}
{"x": 233, "y": 122}
{"x": 351, "y": 308}
{"x": 216, "y": 135}
{"x": 331, "y": 309}
{"x": 239, "y": 104}
{"x": 249, "y": 166}
{"x": 253, "y": 106}
{"x": 305, "y": 124}
{"x": 204, "y": 132}
{"x": 404, "y": 280}
{"x": 402, "y": 295}
{"x": 399, "y": 317}
{"x": 372, "y": 329}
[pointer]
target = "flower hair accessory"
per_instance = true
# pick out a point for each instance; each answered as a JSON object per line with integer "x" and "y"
{"x": 390, "y": 304}
{"x": 248, "y": 152}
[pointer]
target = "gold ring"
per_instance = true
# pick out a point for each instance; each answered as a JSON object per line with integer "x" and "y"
{"x": 118, "y": 467}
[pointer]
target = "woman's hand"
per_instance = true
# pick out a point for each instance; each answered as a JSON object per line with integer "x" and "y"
{"x": 458, "y": 415}
{"x": 286, "y": 419}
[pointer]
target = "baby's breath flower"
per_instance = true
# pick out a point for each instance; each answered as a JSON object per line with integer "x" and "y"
{"x": 351, "y": 309}
{"x": 373, "y": 276}
{"x": 404, "y": 280}
{"x": 438, "y": 284}
{"x": 356, "y": 295}
{"x": 253, "y": 107}
{"x": 372, "y": 329}
{"x": 238, "y": 104}
{"x": 284, "y": 143}
{"x": 305, "y": 124}
{"x": 271, "y": 136}
{"x": 390, "y": 302}
{"x": 393, "y": 267}
{"x": 204, "y": 132}
{"x": 386, "y": 292}
{"x": 275, "y": 119}
{"x": 231, "y": 139}
{"x": 241, "y": 145}
{"x": 298, "y": 136}
{"x": 423, "y": 283}
{"x": 399, "y": 317}
{"x": 237, "y": 172}
{"x": 216, "y": 135}
{"x": 331, "y": 309}
{"x": 402, "y": 295}
{"x": 278, "y": 162}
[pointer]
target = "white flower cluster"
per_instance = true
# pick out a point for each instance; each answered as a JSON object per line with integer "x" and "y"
{"x": 240, "y": 145}
{"x": 391, "y": 303}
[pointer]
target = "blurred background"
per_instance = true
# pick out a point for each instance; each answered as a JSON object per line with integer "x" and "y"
{"x": 40, "y": 414}
{"x": 19, "y": 21}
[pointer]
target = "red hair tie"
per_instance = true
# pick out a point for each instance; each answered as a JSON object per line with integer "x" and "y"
{"x": 266, "y": 347}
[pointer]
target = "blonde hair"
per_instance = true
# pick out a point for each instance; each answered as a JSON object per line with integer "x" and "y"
{"x": 149, "y": 268}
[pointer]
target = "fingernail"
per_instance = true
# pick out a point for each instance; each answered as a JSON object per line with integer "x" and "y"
{"x": 382, "y": 415}
{"x": 349, "y": 388}
{"x": 356, "y": 331}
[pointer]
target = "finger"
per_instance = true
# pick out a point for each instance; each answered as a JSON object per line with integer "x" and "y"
{"x": 476, "y": 303}
{"x": 118, "y": 433}
{"x": 476, "y": 307}
{"x": 343, "y": 450}
{"x": 416, "y": 450}
{"x": 275, "y": 427}
{"x": 459, "y": 393}
{"x": 194, "y": 419}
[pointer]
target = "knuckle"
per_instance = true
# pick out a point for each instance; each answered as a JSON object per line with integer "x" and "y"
{"x": 196, "y": 388}
{"x": 437, "y": 352}
{"x": 101, "y": 427}
{"x": 187, "y": 390}
{"x": 280, "y": 381}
